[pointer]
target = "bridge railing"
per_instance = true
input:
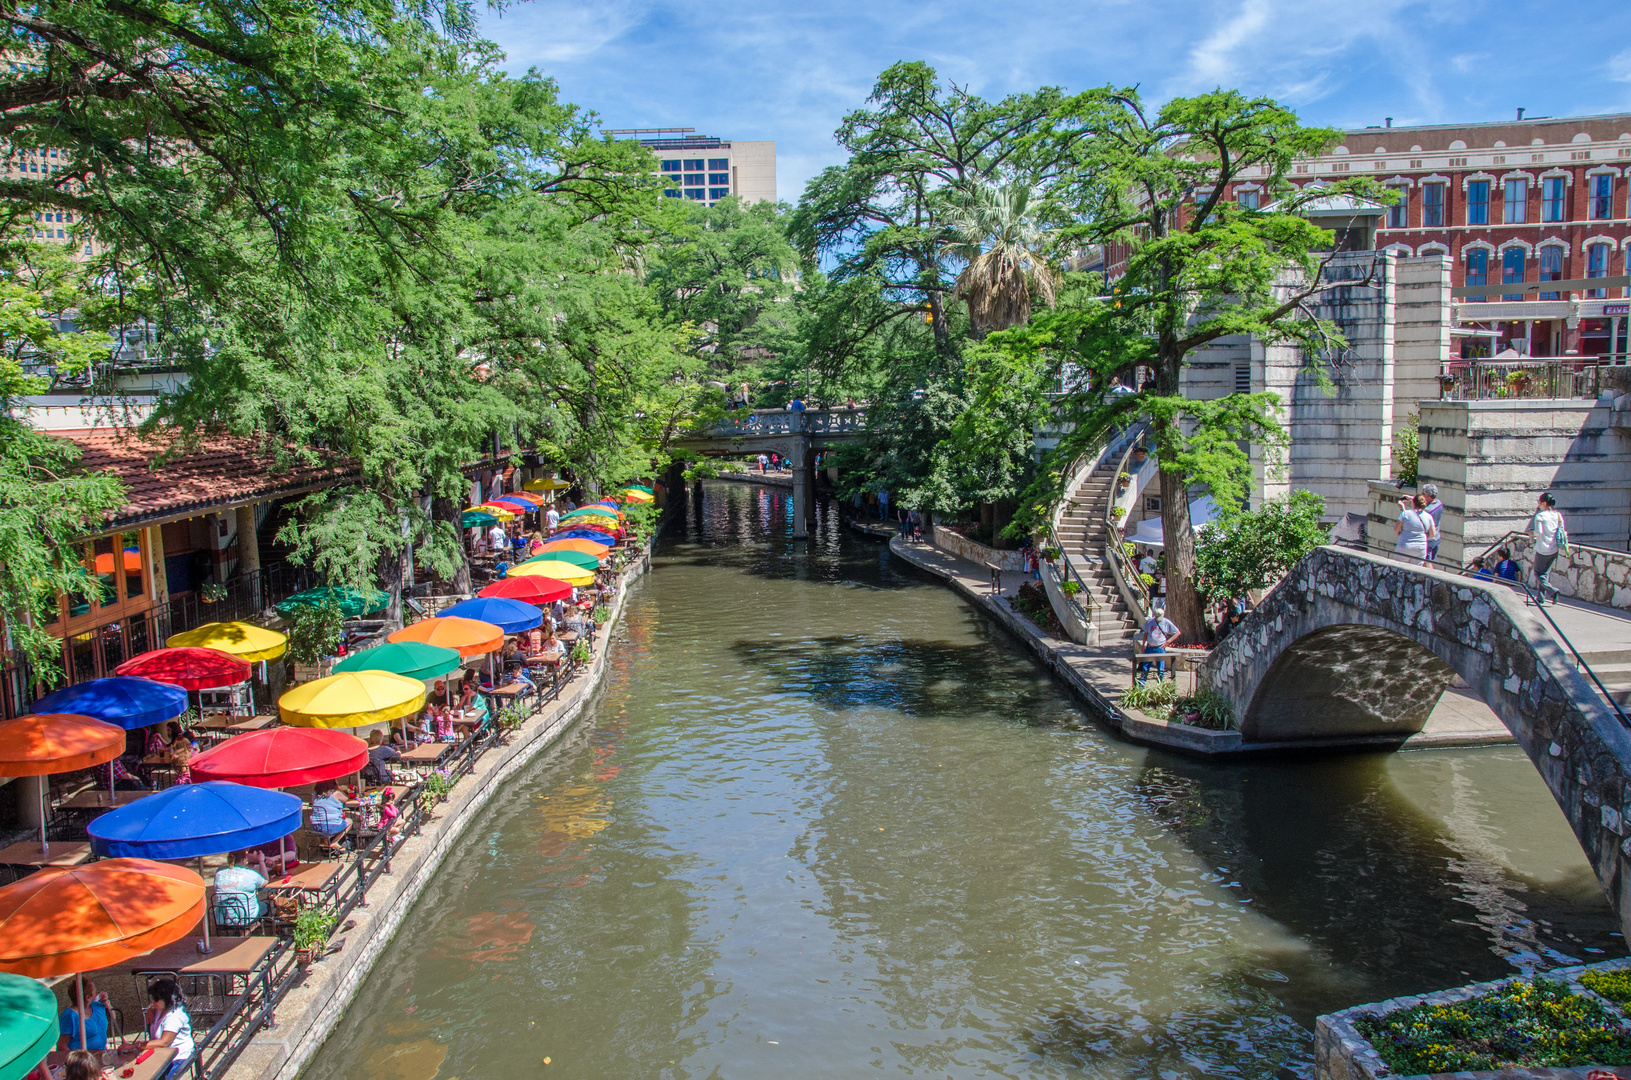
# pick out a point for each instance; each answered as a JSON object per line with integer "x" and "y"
{"x": 784, "y": 422}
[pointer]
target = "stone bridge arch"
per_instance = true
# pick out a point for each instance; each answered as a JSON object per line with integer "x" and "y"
{"x": 1352, "y": 644}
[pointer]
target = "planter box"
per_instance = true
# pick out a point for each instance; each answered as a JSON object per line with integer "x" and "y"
{"x": 1342, "y": 1053}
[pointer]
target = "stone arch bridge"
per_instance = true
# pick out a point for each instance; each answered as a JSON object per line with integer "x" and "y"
{"x": 1352, "y": 644}
{"x": 795, "y": 435}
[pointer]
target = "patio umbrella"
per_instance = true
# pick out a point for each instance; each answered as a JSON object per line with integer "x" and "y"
{"x": 282, "y": 757}
{"x": 592, "y": 535}
{"x": 553, "y": 568}
{"x": 190, "y": 669}
{"x": 41, "y": 745}
{"x": 641, "y": 488}
{"x": 502, "y": 513}
{"x": 414, "y": 659}
{"x": 28, "y": 1025}
{"x": 350, "y": 602}
{"x": 547, "y": 483}
{"x": 581, "y": 547}
{"x": 511, "y": 616}
{"x": 468, "y": 636}
{"x": 640, "y": 497}
{"x": 119, "y": 699}
{"x": 476, "y": 519}
{"x": 189, "y": 821}
{"x": 516, "y": 504}
{"x": 567, "y": 555}
{"x": 74, "y": 919}
{"x": 244, "y": 640}
{"x": 599, "y": 512}
{"x": 352, "y": 699}
{"x": 528, "y": 590}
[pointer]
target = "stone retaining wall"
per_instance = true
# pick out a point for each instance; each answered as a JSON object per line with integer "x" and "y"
{"x": 961, "y": 546}
{"x": 314, "y": 1006}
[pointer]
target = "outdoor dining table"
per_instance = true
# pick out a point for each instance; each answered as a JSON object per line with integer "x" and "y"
{"x": 101, "y": 800}
{"x": 426, "y": 753}
{"x": 312, "y": 878}
{"x": 27, "y": 853}
{"x": 154, "y": 1066}
{"x": 236, "y": 723}
{"x": 227, "y": 956}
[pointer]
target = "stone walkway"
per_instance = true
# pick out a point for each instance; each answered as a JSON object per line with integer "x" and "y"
{"x": 1099, "y": 673}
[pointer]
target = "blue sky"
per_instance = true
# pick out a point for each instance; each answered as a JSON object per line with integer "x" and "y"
{"x": 789, "y": 72}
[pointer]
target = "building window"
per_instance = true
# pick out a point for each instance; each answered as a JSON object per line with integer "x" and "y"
{"x": 1602, "y": 191}
{"x": 1398, "y": 215}
{"x": 718, "y": 192}
{"x": 1432, "y": 206}
{"x": 719, "y": 163}
{"x": 719, "y": 178}
{"x": 1243, "y": 380}
{"x": 1551, "y": 268}
{"x": 672, "y": 193}
{"x": 671, "y": 165}
{"x": 1517, "y": 202}
{"x": 695, "y": 193}
{"x": 1477, "y": 269}
{"x": 1512, "y": 269}
{"x": 1478, "y": 202}
{"x": 1246, "y": 199}
{"x": 1551, "y": 199}
{"x": 1597, "y": 266}
{"x": 693, "y": 165}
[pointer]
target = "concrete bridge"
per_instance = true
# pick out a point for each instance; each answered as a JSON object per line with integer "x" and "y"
{"x": 1352, "y": 644}
{"x": 795, "y": 435}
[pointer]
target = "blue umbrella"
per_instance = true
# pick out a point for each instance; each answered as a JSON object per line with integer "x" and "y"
{"x": 123, "y": 700}
{"x": 585, "y": 534}
{"x": 511, "y": 616}
{"x": 190, "y": 821}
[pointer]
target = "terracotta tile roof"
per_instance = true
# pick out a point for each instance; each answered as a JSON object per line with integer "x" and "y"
{"x": 225, "y": 470}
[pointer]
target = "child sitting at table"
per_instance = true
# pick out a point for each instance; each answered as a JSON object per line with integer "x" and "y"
{"x": 444, "y": 727}
{"x": 181, "y": 756}
{"x": 388, "y": 813}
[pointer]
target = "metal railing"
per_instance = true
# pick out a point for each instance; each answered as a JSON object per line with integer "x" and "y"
{"x": 783, "y": 422}
{"x": 1494, "y": 380}
{"x": 247, "y": 1013}
{"x": 1115, "y": 547}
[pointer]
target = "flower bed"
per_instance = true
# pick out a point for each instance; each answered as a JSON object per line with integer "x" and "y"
{"x": 1539, "y": 1023}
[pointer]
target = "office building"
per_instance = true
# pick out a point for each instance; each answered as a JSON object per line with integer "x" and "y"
{"x": 705, "y": 169}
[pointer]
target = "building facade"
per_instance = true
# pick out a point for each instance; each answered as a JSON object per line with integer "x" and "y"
{"x": 706, "y": 169}
{"x": 1517, "y": 203}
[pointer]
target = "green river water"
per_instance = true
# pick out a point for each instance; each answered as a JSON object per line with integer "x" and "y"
{"x": 823, "y": 821}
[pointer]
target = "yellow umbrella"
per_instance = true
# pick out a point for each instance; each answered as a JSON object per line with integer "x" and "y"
{"x": 554, "y": 568}
{"x": 246, "y": 641}
{"x": 352, "y": 699}
{"x": 547, "y": 483}
{"x": 638, "y": 496}
{"x": 500, "y": 512}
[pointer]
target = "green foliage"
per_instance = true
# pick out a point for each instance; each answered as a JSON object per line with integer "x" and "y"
{"x": 1207, "y": 709}
{"x": 1153, "y": 697}
{"x": 433, "y": 788}
{"x": 581, "y": 653}
{"x": 510, "y": 718}
{"x": 1407, "y": 449}
{"x": 1613, "y": 985}
{"x": 315, "y": 631}
{"x": 312, "y": 926}
{"x": 601, "y": 614}
{"x": 1534, "y": 1024}
{"x": 1245, "y": 550}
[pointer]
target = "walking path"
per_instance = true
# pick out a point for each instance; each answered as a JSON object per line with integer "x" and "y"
{"x": 1099, "y": 673}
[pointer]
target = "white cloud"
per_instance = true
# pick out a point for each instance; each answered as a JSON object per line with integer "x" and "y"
{"x": 1619, "y": 68}
{"x": 547, "y": 32}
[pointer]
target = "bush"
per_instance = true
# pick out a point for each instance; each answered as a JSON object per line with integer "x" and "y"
{"x": 1207, "y": 709}
{"x": 1520, "y": 1024}
{"x": 1245, "y": 550}
{"x": 1407, "y": 450}
{"x": 1154, "y": 698}
{"x": 1032, "y": 602}
{"x": 1614, "y": 985}
{"x": 314, "y": 632}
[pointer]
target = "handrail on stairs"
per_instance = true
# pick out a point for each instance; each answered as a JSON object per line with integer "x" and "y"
{"x": 1113, "y": 547}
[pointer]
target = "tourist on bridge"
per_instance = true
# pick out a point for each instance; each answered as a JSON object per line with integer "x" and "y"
{"x": 1551, "y": 538}
{"x": 1435, "y": 510}
{"x": 883, "y": 505}
{"x": 1157, "y": 634}
{"x": 1415, "y": 529}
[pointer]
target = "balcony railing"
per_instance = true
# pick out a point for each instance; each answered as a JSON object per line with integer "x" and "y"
{"x": 1494, "y": 380}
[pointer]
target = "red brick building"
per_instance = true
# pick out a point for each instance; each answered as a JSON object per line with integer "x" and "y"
{"x": 1510, "y": 203}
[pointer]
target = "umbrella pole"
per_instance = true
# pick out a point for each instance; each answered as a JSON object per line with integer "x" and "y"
{"x": 206, "y": 911}
{"x": 45, "y": 845}
{"x": 84, "y": 1007}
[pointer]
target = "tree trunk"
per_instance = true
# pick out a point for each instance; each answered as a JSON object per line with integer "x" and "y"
{"x": 393, "y": 571}
{"x": 1183, "y": 602}
{"x": 448, "y": 510}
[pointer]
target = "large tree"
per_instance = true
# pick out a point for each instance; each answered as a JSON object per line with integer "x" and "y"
{"x": 1198, "y": 267}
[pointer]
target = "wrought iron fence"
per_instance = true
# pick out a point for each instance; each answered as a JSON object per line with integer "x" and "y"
{"x": 1492, "y": 380}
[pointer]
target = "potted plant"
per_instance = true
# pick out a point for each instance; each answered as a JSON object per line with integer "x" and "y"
{"x": 1117, "y": 513}
{"x": 581, "y": 653}
{"x": 1052, "y": 553}
{"x": 601, "y": 614}
{"x": 511, "y": 718}
{"x": 1071, "y": 588}
{"x": 212, "y": 592}
{"x": 1139, "y": 454}
{"x": 1122, "y": 480}
{"x": 311, "y": 930}
{"x": 433, "y": 788}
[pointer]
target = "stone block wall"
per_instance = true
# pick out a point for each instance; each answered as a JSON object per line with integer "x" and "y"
{"x": 964, "y": 548}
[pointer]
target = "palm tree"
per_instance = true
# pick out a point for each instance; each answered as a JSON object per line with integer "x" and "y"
{"x": 995, "y": 230}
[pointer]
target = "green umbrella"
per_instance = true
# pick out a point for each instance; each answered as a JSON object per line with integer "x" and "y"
{"x": 351, "y": 602}
{"x": 576, "y": 558}
{"x": 637, "y": 487}
{"x": 415, "y": 659}
{"x": 476, "y": 519}
{"x": 28, "y": 1025}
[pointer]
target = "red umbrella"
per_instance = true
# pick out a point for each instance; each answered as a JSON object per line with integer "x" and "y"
{"x": 529, "y": 590}
{"x": 188, "y": 668}
{"x": 516, "y": 505}
{"x": 282, "y": 757}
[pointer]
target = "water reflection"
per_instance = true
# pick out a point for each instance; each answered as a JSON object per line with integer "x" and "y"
{"x": 826, "y": 821}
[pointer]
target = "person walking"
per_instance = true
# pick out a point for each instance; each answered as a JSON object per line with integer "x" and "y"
{"x": 552, "y": 519}
{"x": 1415, "y": 529}
{"x": 1157, "y": 634}
{"x": 764, "y": 464}
{"x": 1507, "y": 568}
{"x": 1551, "y": 537}
{"x": 914, "y": 525}
{"x": 1435, "y": 510}
{"x": 883, "y": 505}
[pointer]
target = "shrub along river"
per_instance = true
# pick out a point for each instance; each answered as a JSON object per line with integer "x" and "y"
{"x": 824, "y": 821}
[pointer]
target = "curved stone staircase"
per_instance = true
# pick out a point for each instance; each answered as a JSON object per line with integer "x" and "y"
{"x": 1082, "y": 534}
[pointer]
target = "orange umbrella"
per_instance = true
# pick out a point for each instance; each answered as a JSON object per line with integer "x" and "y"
{"x": 582, "y": 547}
{"x": 67, "y": 919}
{"x": 56, "y": 743}
{"x": 471, "y": 637}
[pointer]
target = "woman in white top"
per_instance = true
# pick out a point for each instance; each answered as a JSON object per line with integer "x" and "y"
{"x": 169, "y": 1025}
{"x": 1414, "y": 529}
